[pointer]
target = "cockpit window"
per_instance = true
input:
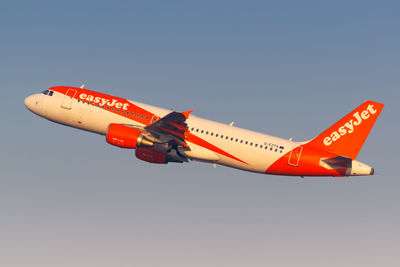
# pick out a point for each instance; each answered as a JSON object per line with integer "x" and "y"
{"x": 51, "y": 93}
{"x": 46, "y": 92}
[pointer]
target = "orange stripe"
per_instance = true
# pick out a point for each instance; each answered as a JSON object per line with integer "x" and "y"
{"x": 198, "y": 141}
{"x": 178, "y": 126}
{"x": 307, "y": 165}
{"x": 180, "y": 135}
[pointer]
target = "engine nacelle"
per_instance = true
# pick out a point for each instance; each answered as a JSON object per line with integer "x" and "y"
{"x": 126, "y": 137}
{"x": 151, "y": 155}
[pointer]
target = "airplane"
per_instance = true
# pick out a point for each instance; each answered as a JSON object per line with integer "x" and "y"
{"x": 161, "y": 136}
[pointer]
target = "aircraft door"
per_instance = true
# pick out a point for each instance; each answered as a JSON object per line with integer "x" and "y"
{"x": 294, "y": 156}
{"x": 67, "y": 101}
{"x": 154, "y": 118}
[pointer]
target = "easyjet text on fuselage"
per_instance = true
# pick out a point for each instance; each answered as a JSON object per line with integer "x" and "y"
{"x": 104, "y": 101}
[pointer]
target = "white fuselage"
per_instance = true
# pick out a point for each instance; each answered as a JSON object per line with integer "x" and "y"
{"x": 332, "y": 153}
{"x": 256, "y": 151}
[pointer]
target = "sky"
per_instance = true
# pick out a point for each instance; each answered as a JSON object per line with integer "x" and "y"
{"x": 285, "y": 68}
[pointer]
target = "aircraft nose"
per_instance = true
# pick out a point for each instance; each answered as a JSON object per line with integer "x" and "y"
{"x": 28, "y": 102}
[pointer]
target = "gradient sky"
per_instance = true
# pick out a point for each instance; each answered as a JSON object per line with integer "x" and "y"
{"x": 286, "y": 68}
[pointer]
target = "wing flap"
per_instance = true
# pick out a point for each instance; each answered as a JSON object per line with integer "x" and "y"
{"x": 170, "y": 128}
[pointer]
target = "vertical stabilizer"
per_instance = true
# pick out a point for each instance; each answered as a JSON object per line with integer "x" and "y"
{"x": 346, "y": 137}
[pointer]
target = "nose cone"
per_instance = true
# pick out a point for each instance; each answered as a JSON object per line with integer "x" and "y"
{"x": 30, "y": 102}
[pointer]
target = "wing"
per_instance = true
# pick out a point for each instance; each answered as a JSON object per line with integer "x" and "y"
{"x": 170, "y": 128}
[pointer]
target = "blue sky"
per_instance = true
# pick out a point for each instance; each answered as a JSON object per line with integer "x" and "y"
{"x": 286, "y": 68}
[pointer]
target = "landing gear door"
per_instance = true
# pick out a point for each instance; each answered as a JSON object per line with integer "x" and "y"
{"x": 67, "y": 101}
{"x": 294, "y": 156}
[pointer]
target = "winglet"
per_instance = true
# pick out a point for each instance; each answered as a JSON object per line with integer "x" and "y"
{"x": 187, "y": 113}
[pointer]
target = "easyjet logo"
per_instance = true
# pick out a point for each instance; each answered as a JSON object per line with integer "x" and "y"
{"x": 350, "y": 126}
{"x": 104, "y": 101}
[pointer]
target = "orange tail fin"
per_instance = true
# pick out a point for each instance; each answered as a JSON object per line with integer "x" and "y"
{"x": 347, "y": 136}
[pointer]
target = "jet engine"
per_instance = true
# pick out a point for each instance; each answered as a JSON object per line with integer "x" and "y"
{"x": 151, "y": 155}
{"x": 126, "y": 137}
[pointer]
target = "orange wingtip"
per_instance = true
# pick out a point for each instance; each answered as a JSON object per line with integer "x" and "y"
{"x": 187, "y": 113}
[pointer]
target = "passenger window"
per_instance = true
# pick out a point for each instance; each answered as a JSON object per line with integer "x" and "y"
{"x": 246, "y": 142}
{"x": 192, "y": 129}
{"x": 212, "y": 134}
{"x": 112, "y": 109}
{"x": 216, "y": 135}
{"x": 202, "y": 131}
{"x": 147, "y": 117}
{"x": 142, "y": 116}
{"x": 251, "y": 143}
{"x": 256, "y": 145}
{"x": 227, "y": 137}
{"x": 222, "y": 136}
{"x": 79, "y": 100}
{"x": 117, "y": 110}
{"x": 197, "y": 130}
{"x": 127, "y": 113}
{"x": 241, "y": 141}
{"x": 231, "y": 138}
{"x": 207, "y": 132}
{"x": 122, "y": 111}
{"x": 83, "y": 102}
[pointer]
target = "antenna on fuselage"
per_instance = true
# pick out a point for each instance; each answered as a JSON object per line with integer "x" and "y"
{"x": 231, "y": 124}
{"x": 83, "y": 85}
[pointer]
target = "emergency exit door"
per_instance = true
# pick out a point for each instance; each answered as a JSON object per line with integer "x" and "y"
{"x": 294, "y": 157}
